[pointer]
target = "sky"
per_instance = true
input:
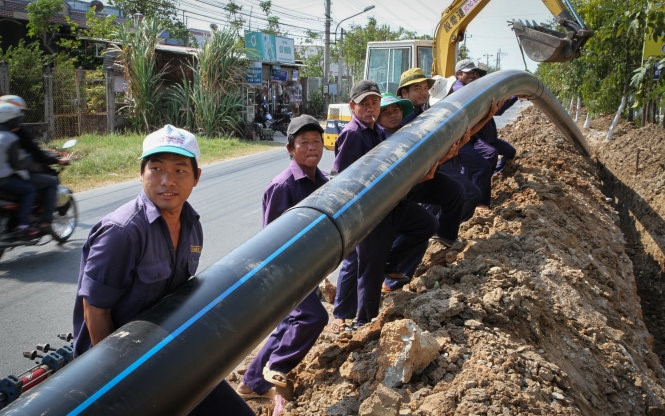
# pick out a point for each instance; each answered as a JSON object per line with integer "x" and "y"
{"x": 487, "y": 35}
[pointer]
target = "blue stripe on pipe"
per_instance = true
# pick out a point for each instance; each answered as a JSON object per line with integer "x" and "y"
{"x": 145, "y": 357}
{"x": 122, "y": 375}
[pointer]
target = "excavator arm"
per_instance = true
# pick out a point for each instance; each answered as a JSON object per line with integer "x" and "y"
{"x": 540, "y": 44}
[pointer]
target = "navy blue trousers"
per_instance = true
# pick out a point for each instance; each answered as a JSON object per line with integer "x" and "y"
{"x": 479, "y": 170}
{"x": 359, "y": 285}
{"x": 505, "y": 152}
{"x": 289, "y": 342}
{"x": 25, "y": 192}
{"x": 455, "y": 171}
{"x": 448, "y": 194}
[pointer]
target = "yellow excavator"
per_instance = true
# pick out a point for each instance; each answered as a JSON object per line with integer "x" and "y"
{"x": 386, "y": 60}
{"x": 541, "y": 44}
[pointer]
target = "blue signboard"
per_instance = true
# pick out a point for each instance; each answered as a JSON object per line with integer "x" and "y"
{"x": 278, "y": 75}
{"x": 254, "y": 73}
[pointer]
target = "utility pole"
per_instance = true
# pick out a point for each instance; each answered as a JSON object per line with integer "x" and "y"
{"x": 498, "y": 59}
{"x": 340, "y": 71}
{"x": 487, "y": 59}
{"x": 326, "y": 58}
{"x": 340, "y": 65}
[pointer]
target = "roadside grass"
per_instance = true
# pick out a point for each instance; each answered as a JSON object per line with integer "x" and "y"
{"x": 105, "y": 159}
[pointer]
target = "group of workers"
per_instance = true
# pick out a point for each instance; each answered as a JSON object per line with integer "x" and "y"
{"x": 150, "y": 246}
{"x": 453, "y": 188}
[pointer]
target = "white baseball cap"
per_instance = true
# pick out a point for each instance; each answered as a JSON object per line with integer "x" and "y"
{"x": 440, "y": 89}
{"x": 170, "y": 139}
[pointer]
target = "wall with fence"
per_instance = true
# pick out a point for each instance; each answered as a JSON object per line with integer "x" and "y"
{"x": 65, "y": 102}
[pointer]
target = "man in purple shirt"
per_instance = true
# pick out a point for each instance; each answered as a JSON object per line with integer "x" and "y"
{"x": 478, "y": 159}
{"x": 362, "y": 272}
{"x": 445, "y": 195}
{"x": 145, "y": 250}
{"x": 295, "y": 335}
{"x": 486, "y": 141}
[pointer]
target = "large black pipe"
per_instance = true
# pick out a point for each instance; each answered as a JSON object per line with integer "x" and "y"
{"x": 168, "y": 359}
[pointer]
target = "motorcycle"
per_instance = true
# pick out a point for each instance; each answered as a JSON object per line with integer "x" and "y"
{"x": 263, "y": 122}
{"x": 65, "y": 215}
{"x": 281, "y": 122}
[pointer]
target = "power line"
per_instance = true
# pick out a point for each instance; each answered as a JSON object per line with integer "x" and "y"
{"x": 297, "y": 22}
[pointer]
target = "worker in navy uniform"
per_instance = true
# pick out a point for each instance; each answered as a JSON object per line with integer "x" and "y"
{"x": 296, "y": 334}
{"x": 145, "y": 250}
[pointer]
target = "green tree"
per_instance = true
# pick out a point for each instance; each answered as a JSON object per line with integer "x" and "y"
{"x": 164, "y": 11}
{"x": 272, "y": 25}
{"x": 100, "y": 26}
{"x": 603, "y": 74}
{"x": 236, "y": 21}
{"x": 212, "y": 101}
{"x": 26, "y": 76}
{"x": 313, "y": 63}
{"x": 41, "y": 14}
{"x": 136, "y": 50}
{"x": 463, "y": 52}
{"x": 311, "y": 55}
{"x": 649, "y": 93}
{"x": 40, "y": 21}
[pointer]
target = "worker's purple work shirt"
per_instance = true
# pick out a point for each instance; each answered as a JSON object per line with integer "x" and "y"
{"x": 128, "y": 263}
{"x": 354, "y": 141}
{"x": 288, "y": 188}
{"x": 457, "y": 85}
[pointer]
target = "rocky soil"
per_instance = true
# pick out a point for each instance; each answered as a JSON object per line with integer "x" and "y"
{"x": 552, "y": 306}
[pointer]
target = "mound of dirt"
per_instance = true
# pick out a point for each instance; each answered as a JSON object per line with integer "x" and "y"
{"x": 537, "y": 313}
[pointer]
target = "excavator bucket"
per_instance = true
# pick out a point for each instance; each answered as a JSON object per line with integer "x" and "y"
{"x": 542, "y": 44}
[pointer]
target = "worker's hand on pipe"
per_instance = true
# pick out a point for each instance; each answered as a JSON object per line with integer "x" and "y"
{"x": 454, "y": 149}
{"x": 451, "y": 153}
{"x": 494, "y": 107}
{"x": 430, "y": 174}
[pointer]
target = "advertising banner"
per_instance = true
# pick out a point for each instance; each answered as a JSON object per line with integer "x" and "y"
{"x": 269, "y": 48}
{"x": 254, "y": 73}
{"x": 285, "y": 50}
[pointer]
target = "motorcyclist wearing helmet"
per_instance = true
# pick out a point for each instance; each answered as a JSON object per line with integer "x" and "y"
{"x": 45, "y": 182}
{"x": 11, "y": 180}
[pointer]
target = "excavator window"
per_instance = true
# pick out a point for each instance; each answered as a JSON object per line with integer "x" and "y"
{"x": 425, "y": 59}
{"x": 386, "y": 64}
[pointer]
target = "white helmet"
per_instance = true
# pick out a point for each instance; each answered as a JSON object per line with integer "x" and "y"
{"x": 9, "y": 112}
{"x": 14, "y": 99}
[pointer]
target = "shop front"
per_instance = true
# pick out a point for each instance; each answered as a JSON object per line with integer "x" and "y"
{"x": 273, "y": 84}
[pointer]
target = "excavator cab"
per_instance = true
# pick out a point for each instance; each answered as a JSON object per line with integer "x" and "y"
{"x": 542, "y": 44}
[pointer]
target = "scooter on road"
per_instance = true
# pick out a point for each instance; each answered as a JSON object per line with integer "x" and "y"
{"x": 65, "y": 216}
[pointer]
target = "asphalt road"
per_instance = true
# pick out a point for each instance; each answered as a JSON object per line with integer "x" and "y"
{"x": 38, "y": 284}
